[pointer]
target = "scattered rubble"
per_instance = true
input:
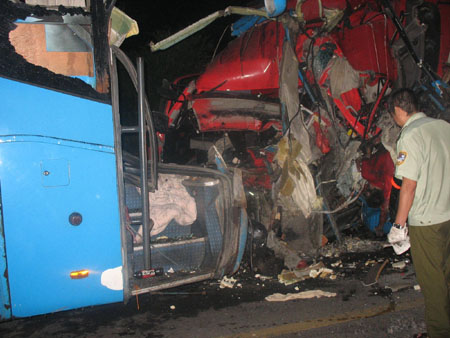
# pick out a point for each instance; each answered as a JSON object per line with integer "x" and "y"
{"x": 227, "y": 282}
{"x": 374, "y": 273}
{"x": 337, "y": 264}
{"x": 398, "y": 287}
{"x": 263, "y": 278}
{"x": 351, "y": 244}
{"x": 399, "y": 265}
{"x": 288, "y": 277}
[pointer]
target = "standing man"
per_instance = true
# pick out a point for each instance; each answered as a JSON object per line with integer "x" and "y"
{"x": 423, "y": 163}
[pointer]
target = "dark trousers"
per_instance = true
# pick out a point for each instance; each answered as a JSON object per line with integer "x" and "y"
{"x": 430, "y": 250}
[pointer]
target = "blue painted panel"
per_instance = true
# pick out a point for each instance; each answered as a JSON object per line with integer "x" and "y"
{"x": 55, "y": 172}
{"x": 42, "y": 246}
{"x": 72, "y": 139}
{"x": 30, "y": 110}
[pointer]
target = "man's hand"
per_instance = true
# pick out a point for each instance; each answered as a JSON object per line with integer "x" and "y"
{"x": 397, "y": 235}
{"x": 399, "y": 239}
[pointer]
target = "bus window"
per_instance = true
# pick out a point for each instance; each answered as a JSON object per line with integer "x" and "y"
{"x": 55, "y": 49}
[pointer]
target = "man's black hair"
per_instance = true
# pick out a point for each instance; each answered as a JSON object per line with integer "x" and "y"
{"x": 405, "y": 99}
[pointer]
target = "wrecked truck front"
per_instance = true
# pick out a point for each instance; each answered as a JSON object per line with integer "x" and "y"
{"x": 292, "y": 100}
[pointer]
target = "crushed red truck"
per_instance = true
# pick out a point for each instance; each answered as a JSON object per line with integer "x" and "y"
{"x": 293, "y": 99}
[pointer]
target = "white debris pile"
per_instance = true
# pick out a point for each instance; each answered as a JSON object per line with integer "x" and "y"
{"x": 279, "y": 297}
{"x": 227, "y": 282}
{"x": 400, "y": 265}
{"x": 263, "y": 278}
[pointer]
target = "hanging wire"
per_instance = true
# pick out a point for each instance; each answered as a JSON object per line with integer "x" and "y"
{"x": 218, "y": 43}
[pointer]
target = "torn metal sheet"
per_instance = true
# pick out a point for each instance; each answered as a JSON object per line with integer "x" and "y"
{"x": 296, "y": 180}
{"x": 232, "y": 111}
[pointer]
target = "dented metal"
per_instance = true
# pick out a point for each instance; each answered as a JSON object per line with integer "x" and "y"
{"x": 328, "y": 66}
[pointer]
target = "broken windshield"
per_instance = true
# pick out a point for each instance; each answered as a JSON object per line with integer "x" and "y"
{"x": 55, "y": 49}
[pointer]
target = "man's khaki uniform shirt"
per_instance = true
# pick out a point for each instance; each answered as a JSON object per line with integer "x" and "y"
{"x": 423, "y": 155}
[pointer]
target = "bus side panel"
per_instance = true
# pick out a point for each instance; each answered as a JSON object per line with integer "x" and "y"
{"x": 30, "y": 110}
{"x": 45, "y": 179}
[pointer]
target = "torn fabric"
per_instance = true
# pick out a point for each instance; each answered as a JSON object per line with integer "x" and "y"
{"x": 170, "y": 202}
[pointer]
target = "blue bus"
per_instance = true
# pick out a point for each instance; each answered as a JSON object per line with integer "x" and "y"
{"x": 88, "y": 214}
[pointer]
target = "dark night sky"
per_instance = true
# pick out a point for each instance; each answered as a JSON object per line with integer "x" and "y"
{"x": 158, "y": 19}
{"x": 172, "y": 15}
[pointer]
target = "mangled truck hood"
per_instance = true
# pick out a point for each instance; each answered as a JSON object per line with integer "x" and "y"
{"x": 315, "y": 79}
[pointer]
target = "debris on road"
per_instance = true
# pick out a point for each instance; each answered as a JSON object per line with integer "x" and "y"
{"x": 278, "y": 297}
{"x": 398, "y": 287}
{"x": 227, "y": 282}
{"x": 287, "y": 277}
{"x": 310, "y": 271}
{"x": 351, "y": 244}
{"x": 336, "y": 264}
{"x": 318, "y": 270}
{"x": 399, "y": 265}
{"x": 374, "y": 273}
{"x": 263, "y": 278}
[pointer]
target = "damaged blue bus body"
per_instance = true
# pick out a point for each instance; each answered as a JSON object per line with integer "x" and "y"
{"x": 88, "y": 215}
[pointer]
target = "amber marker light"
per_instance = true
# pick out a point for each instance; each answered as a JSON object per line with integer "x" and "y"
{"x": 79, "y": 274}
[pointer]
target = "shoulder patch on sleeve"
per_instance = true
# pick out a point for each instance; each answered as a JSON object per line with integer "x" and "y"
{"x": 401, "y": 157}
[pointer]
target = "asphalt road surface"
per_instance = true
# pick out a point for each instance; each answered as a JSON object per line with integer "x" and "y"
{"x": 392, "y": 307}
